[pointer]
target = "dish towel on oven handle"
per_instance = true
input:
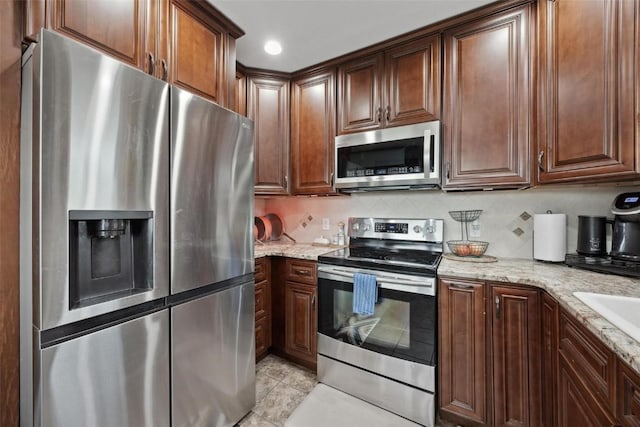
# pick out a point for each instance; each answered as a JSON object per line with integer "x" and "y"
{"x": 365, "y": 293}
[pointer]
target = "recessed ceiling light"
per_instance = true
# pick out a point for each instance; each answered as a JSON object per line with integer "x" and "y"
{"x": 272, "y": 47}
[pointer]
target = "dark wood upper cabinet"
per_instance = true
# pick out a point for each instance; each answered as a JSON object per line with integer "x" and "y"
{"x": 268, "y": 107}
{"x": 197, "y": 51}
{"x": 120, "y": 29}
{"x": 313, "y": 133}
{"x": 412, "y": 89}
{"x": 462, "y": 351}
{"x": 359, "y": 94}
{"x": 515, "y": 349}
{"x": 240, "y": 93}
{"x": 396, "y": 87}
{"x": 187, "y": 43}
{"x": 487, "y": 101}
{"x": 588, "y": 76}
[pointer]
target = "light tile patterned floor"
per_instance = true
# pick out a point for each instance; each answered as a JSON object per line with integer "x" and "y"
{"x": 280, "y": 387}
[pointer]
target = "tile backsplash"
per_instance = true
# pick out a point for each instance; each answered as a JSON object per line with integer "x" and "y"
{"x": 506, "y": 221}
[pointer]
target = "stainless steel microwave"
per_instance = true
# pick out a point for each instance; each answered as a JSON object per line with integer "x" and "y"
{"x": 403, "y": 157}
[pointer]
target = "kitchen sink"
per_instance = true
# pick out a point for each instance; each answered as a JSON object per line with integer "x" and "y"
{"x": 624, "y": 312}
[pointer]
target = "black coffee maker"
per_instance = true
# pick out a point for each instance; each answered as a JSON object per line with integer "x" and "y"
{"x": 625, "y": 241}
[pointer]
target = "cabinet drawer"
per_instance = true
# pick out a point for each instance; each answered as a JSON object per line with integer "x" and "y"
{"x": 263, "y": 299}
{"x": 301, "y": 271}
{"x": 593, "y": 363}
{"x": 261, "y": 269}
{"x": 628, "y": 396}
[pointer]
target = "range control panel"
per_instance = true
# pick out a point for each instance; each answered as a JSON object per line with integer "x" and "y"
{"x": 418, "y": 230}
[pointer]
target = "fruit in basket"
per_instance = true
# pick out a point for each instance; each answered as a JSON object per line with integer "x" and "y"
{"x": 476, "y": 250}
{"x": 463, "y": 250}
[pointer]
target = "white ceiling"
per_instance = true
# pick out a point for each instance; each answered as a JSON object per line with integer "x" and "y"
{"x": 313, "y": 31}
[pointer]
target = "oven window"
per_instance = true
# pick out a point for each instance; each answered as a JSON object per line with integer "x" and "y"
{"x": 403, "y": 324}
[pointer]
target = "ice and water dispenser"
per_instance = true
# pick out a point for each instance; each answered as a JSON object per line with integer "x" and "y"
{"x": 110, "y": 255}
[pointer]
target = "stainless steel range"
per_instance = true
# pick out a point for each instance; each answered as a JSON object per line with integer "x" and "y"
{"x": 387, "y": 358}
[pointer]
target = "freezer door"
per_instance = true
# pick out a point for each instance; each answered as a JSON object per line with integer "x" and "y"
{"x": 211, "y": 193}
{"x": 213, "y": 358}
{"x": 100, "y": 143}
{"x": 117, "y": 376}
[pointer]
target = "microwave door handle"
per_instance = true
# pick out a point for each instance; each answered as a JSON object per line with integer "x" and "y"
{"x": 427, "y": 153}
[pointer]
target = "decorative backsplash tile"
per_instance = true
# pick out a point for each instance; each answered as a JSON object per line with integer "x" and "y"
{"x": 502, "y": 212}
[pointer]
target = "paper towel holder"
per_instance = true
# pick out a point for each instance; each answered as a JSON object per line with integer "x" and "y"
{"x": 549, "y": 237}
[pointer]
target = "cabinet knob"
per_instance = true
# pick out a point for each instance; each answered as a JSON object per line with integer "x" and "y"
{"x": 388, "y": 113}
{"x": 303, "y": 272}
{"x": 497, "y": 307}
{"x": 379, "y": 114}
{"x": 313, "y": 302}
{"x": 448, "y": 165}
{"x": 152, "y": 63}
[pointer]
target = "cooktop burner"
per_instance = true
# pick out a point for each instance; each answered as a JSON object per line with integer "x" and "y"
{"x": 604, "y": 264}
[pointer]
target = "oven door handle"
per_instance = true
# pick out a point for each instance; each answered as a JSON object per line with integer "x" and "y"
{"x": 421, "y": 285}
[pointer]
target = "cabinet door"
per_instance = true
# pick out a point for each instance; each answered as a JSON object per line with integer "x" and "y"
{"x": 313, "y": 133}
{"x": 412, "y": 76}
{"x": 515, "y": 346}
{"x": 240, "y": 93}
{"x": 268, "y": 107}
{"x": 628, "y": 396}
{"x": 462, "y": 332}
{"x": 575, "y": 405}
{"x": 359, "y": 94}
{"x": 549, "y": 322}
{"x": 118, "y": 28}
{"x": 301, "y": 321}
{"x": 197, "y": 52}
{"x": 487, "y": 101}
{"x": 588, "y": 77}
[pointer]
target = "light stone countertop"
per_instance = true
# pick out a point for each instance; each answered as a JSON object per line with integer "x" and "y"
{"x": 558, "y": 280}
{"x": 292, "y": 250}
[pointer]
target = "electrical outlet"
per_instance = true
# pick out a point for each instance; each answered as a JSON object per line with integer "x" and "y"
{"x": 474, "y": 230}
{"x": 326, "y": 225}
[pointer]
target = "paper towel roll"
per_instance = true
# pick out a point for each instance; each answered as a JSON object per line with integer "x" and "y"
{"x": 550, "y": 237}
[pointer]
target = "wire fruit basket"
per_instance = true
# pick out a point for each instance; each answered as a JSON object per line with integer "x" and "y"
{"x": 466, "y": 247}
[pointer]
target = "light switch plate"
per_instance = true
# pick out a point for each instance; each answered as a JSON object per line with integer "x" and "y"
{"x": 326, "y": 225}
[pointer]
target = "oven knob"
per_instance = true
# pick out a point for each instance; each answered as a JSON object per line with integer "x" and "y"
{"x": 430, "y": 229}
{"x": 417, "y": 229}
{"x": 355, "y": 226}
{"x": 367, "y": 227}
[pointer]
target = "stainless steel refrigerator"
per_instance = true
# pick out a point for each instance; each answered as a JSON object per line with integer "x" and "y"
{"x": 135, "y": 269}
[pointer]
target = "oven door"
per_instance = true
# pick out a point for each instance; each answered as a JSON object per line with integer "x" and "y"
{"x": 403, "y": 326}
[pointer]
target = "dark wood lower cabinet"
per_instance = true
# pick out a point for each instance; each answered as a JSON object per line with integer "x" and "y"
{"x": 489, "y": 360}
{"x": 576, "y": 406}
{"x": 462, "y": 330}
{"x": 515, "y": 344}
{"x": 628, "y": 396}
{"x": 549, "y": 324}
{"x": 263, "y": 307}
{"x": 300, "y": 328}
